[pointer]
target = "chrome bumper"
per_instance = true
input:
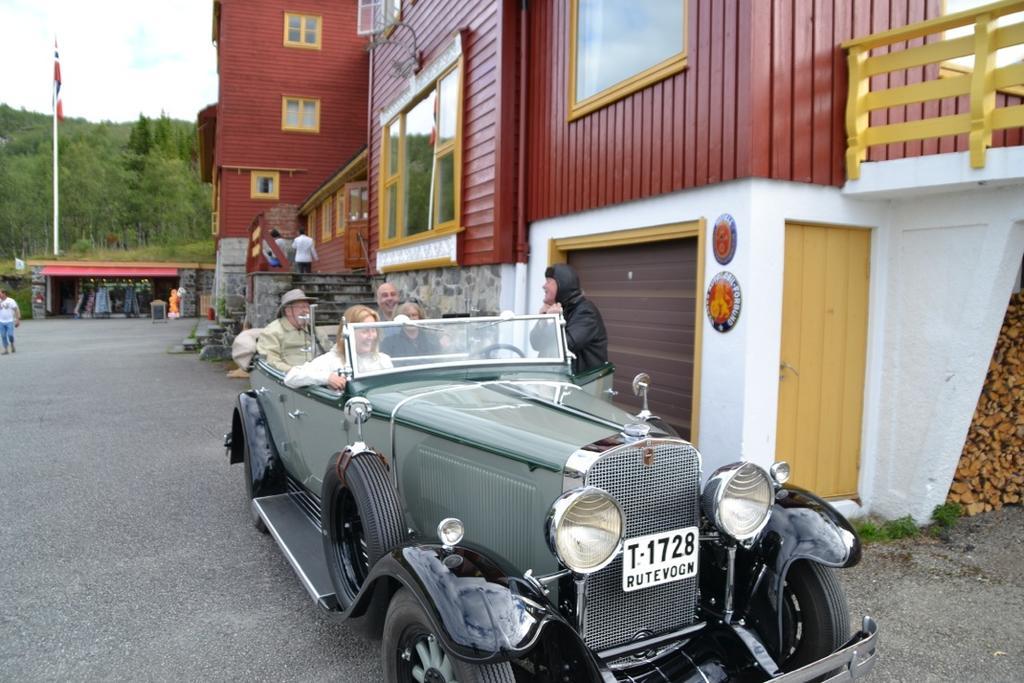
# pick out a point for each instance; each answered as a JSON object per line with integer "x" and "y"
{"x": 854, "y": 660}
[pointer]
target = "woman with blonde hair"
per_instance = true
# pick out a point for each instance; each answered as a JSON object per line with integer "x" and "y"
{"x": 326, "y": 369}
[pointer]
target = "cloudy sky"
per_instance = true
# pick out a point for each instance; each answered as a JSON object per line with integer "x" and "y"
{"x": 119, "y": 58}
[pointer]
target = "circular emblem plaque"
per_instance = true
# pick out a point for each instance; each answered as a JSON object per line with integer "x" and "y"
{"x": 724, "y": 301}
{"x": 723, "y": 238}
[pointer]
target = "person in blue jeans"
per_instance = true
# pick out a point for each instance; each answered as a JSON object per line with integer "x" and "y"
{"x": 10, "y": 317}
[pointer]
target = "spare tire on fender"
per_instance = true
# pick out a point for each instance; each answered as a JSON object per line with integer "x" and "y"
{"x": 362, "y": 521}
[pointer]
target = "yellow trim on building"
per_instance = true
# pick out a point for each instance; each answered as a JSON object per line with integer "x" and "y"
{"x": 660, "y": 71}
{"x": 299, "y": 128}
{"x": 301, "y": 42}
{"x": 397, "y": 180}
{"x": 254, "y": 182}
{"x": 420, "y": 265}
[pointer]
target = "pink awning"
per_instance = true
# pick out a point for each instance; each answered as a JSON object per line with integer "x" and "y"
{"x": 109, "y": 271}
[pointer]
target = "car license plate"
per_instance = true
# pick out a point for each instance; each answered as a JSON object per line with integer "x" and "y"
{"x": 659, "y": 558}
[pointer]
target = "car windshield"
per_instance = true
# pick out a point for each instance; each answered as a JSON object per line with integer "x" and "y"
{"x": 378, "y": 348}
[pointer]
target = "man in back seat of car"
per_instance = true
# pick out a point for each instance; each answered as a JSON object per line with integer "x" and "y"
{"x": 283, "y": 343}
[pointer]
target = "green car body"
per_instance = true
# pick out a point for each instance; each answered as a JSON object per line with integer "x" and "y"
{"x": 500, "y": 448}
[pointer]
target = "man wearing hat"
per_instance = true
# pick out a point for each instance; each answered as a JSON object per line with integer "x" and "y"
{"x": 282, "y": 343}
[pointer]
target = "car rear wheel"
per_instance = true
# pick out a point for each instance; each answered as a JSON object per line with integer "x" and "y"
{"x": 412, "y": 652}
{"x": 362, "y": 521}
{"x": 815, "y": 615}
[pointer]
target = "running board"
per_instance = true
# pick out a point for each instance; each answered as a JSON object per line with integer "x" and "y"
{"x": 299, "y": 539}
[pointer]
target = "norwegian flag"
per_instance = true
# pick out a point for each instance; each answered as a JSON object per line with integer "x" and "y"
{"x": 58, "y": 106}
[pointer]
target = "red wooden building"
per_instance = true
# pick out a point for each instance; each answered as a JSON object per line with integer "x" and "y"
{"x": 832, "y": 150}
{"x": 291, "y": 106}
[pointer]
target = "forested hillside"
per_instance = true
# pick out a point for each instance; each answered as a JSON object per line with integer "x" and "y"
{"x": 122, "y": 186}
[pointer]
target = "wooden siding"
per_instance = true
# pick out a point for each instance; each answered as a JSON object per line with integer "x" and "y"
{"x": 436, "y": 22}
{"x": 764, "y": 95}
{"x": 256, "y": 70}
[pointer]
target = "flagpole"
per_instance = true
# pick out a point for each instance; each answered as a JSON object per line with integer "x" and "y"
{"x": 56, "y": 201}
{"x": 56, "y": 107}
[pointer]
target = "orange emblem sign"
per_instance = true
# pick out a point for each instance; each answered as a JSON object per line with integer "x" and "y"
{"x": 723, "y": 301}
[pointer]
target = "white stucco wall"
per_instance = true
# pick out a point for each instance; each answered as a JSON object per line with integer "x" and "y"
{"x": 952, "y": 262}
{"x": 942, "y": 268}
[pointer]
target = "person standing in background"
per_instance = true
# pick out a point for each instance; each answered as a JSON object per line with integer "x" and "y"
{"x": 305, "y": 252}
{"x": 10, "y": 317}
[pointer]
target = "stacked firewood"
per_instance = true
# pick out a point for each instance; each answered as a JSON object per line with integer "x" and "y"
{"x": 991, "y": 469}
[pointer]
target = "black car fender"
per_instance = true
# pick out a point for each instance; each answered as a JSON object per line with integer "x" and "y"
{"x": 249, "y": 429}
{"x": 802, "y": 527}
{"x": 479, "y": 613}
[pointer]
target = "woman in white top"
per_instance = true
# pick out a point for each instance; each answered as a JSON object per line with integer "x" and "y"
{"x": 324, "y": 369}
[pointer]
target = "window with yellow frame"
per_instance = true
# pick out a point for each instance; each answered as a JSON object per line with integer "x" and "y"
{"x": 264, "y": 184}
{"x": 300, "y": 114}
{"x": 326, "y": 221}
{"x": 302, "y": 30}
{"x": 338, "y": 200}
{"x": 607, "y": 62}
{"x": 421, "y": 164}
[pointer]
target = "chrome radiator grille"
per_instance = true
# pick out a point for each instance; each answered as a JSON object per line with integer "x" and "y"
{"x": 657, "y": 497}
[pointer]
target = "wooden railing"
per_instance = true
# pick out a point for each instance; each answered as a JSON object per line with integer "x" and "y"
{"x": 980, "y": 85}
{"x": 260, "y": 242}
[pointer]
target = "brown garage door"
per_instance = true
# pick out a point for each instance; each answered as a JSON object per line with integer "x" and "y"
{"x": 646, "y": 296}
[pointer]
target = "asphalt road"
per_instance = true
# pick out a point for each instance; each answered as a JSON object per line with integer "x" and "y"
{"x": 127, "y": 553}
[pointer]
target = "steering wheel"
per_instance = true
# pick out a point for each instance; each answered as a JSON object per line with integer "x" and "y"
{"x": 488, "y": 351}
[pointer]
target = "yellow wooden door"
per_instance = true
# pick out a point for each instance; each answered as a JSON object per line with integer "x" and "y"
{"x": 821, "y": 369}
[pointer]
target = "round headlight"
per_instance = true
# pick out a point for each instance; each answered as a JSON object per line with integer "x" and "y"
{"x": 585, "y": 529}
{"x": 738, "y": 498}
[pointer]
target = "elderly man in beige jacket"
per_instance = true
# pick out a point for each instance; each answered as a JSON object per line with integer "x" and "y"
{"x": 283, "y": 343}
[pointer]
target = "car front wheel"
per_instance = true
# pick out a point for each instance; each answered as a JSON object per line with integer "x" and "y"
{"x": 815, "y": 615}
{"x": 412, "y": 652}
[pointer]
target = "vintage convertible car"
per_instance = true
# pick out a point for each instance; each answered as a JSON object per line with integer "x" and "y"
{"x": 494, "y": 518}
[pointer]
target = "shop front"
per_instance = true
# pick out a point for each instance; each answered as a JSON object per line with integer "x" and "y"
{"x": 123, "y": 290}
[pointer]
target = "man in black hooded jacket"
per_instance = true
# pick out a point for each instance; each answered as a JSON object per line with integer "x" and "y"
{"x": 584, "y": 328}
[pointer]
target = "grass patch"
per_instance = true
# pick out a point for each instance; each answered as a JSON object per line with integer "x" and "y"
{"x": 192, "y": 334}
{"x": 192, "y": 252}
{"x": 23, "y": 296}
{"x": 947, "y": 515}
{"x": 875, "y": 530}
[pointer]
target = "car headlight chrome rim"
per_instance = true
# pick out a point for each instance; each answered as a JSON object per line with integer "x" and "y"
{"x": 585, "y": 529}
{"x": 738, "y": 498}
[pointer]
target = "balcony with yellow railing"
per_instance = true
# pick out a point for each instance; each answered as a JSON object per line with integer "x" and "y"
{"x": 949, "y": 101}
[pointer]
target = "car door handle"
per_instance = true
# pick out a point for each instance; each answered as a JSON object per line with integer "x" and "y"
{"x": 295, "y": 415}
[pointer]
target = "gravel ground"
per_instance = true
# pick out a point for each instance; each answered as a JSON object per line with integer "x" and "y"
{"x": 950, "y": 608}
{"x": 128, "y": 555}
